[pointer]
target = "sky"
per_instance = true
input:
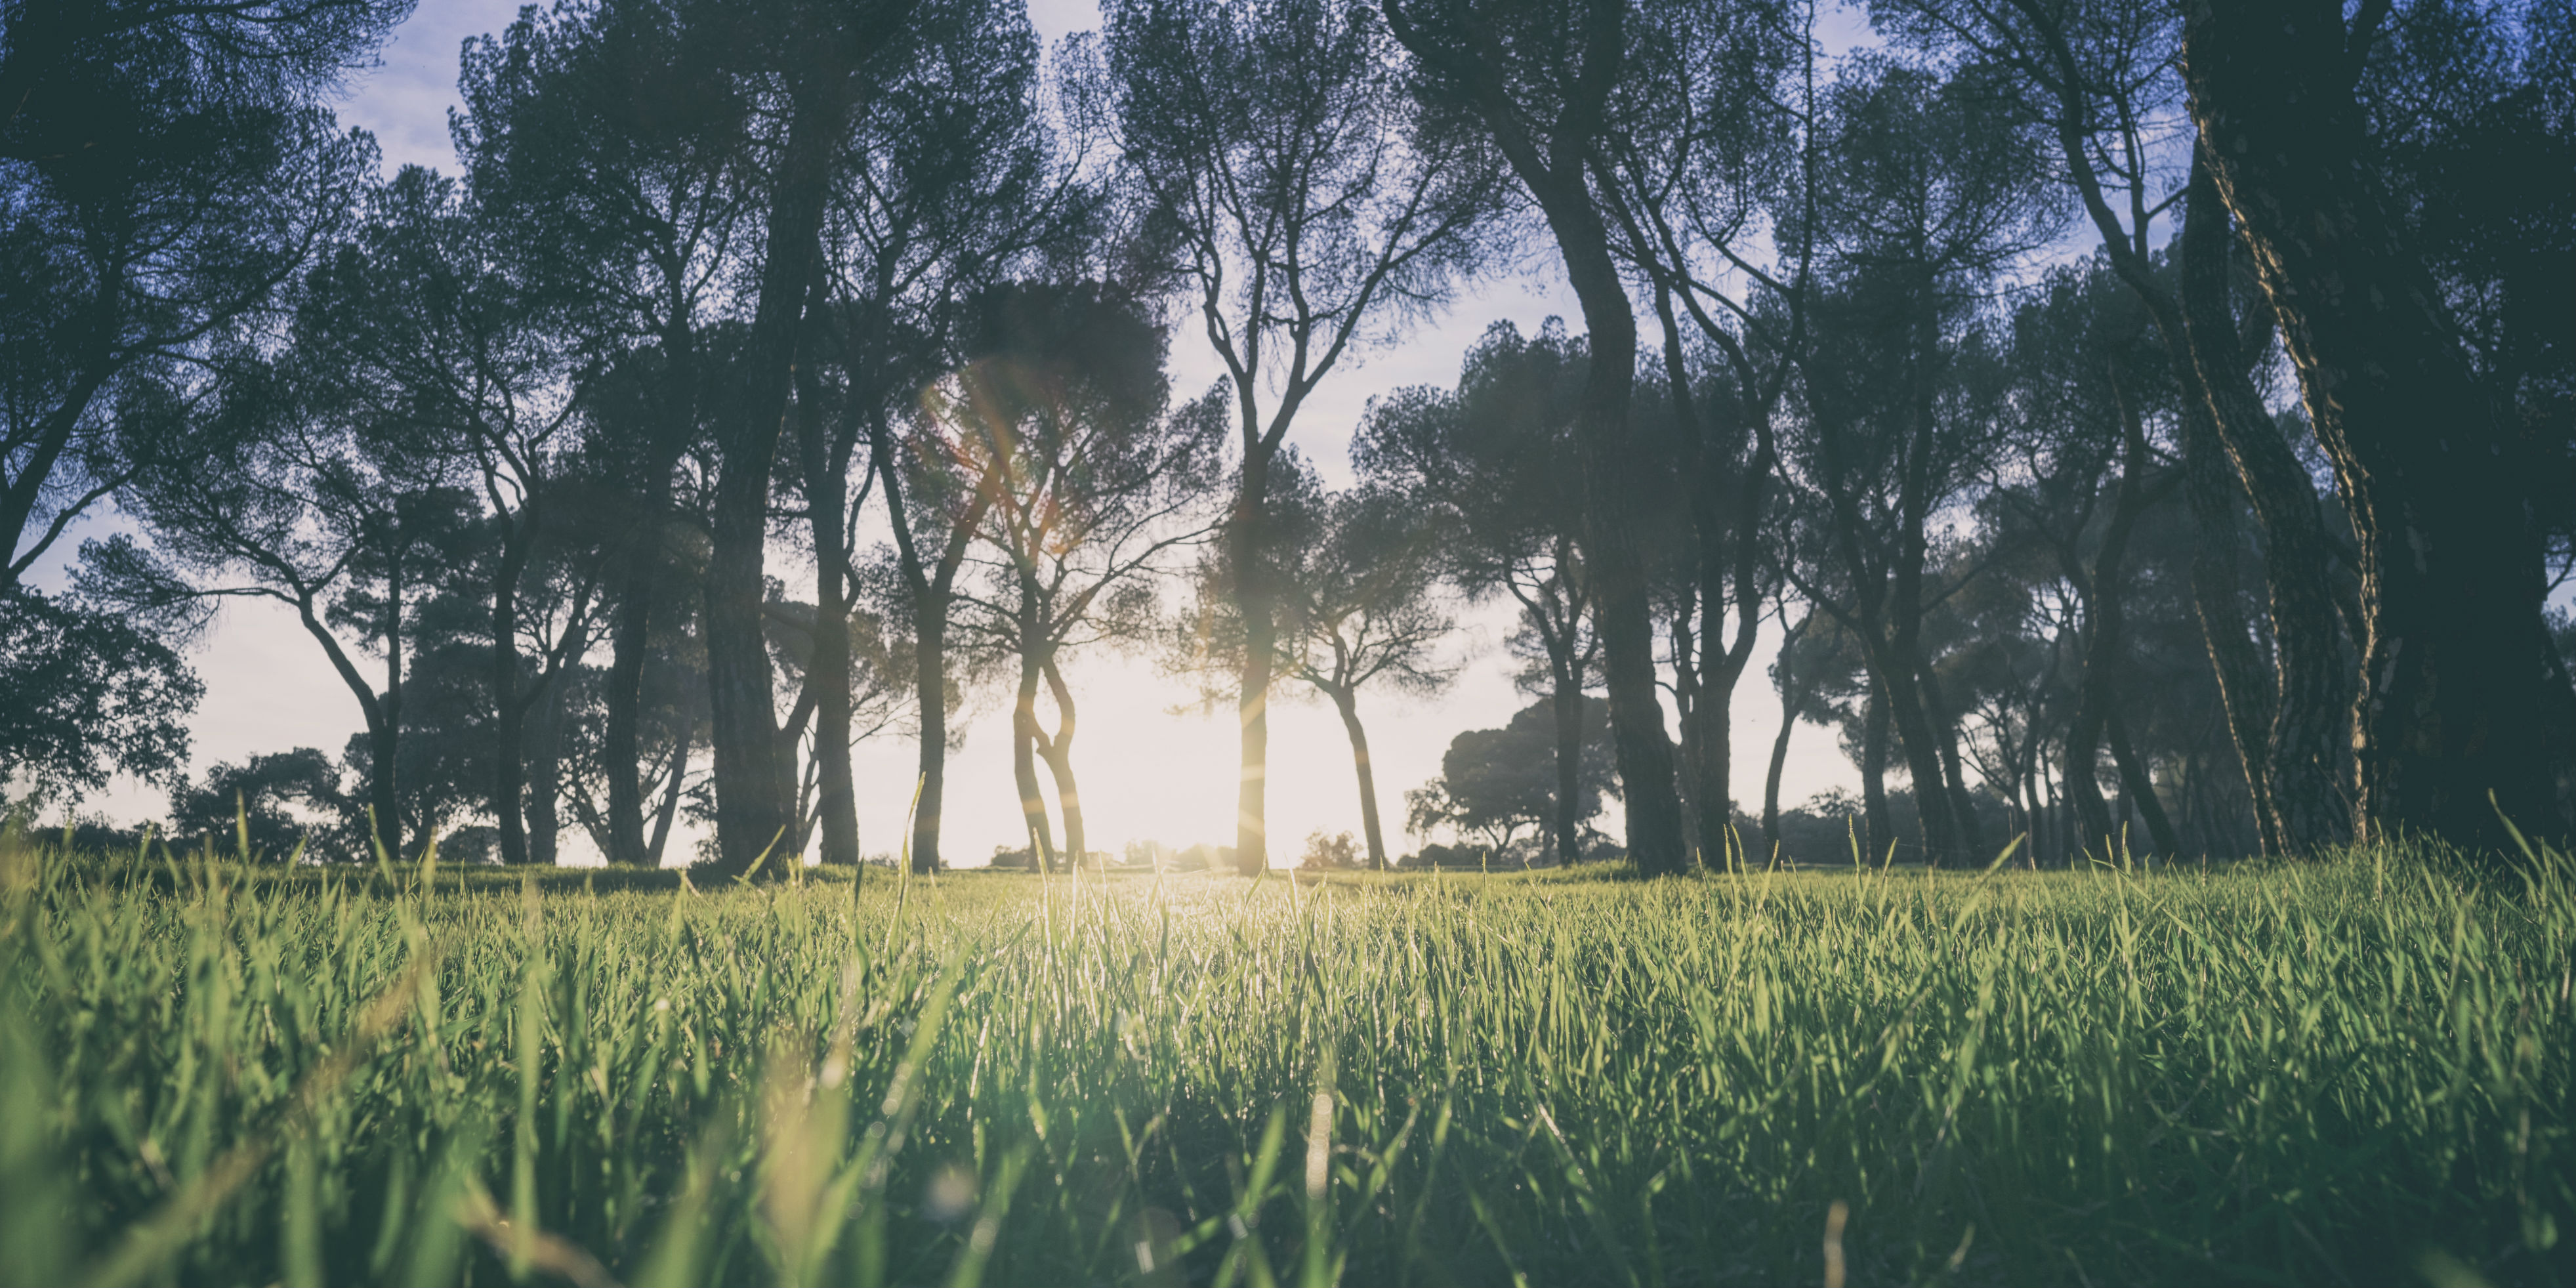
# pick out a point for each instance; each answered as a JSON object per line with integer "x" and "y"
{"x": 1147, "y": 771}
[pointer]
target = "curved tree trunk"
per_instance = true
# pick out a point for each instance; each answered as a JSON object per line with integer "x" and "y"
{"x": 2308, "y": 745}
{"x": 2435, "y": 482}
{"x": 1057, "y": 748}
{"x": 1024, "y": 767}
{"x": 1792, "y": 696}
{"x": 1347, "y": 702}
{"x": 2244, "y": 689}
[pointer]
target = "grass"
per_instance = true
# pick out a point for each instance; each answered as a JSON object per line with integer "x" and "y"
{"x": 2352, "y": 1071}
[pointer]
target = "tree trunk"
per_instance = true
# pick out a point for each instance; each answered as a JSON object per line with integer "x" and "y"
{"x": 509, "y": 715}
{"x": 1057, "y": 748}
{"x": 1791, "y": 698}
{"x": 1254, "y": 604}
{"x": 2244, "y": 689}
{"x": 544, "y": 765}
{"x": 2308, "y": 745}
{"x": 1963, "y": 807}
{"x": 1347, "y": 701}
{"x": 670, "y": 809}
{"x": 827, "y": 500}
{"x": 930, "y": 694}
{"x": 2105, "y": 637}
{"x": 1878, "y": 830}
{"x": 384, "y": 747}
{"x": 1024, "y": 766}
{"x": 2140, "y": 786}
{"x": 1565, "y": 708}
{"x": 2436, "y": 484}
{"x": 755, "y": 783}
{"x": 621, "y": 742}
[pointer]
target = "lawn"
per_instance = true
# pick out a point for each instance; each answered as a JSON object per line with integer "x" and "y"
{"x": 2351, "y": 1071}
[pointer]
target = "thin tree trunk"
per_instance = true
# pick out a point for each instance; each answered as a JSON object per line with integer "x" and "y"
{"x": 670, "y": 810}
{"x": 1347, "y": 701}
{"x": 1792, "y": 696}
{"x": 384, "y": 747}
{"x": 509, "y": 714}
{"x": 1024, "y": 766}
{"x": 2140, "y": 787}
{"x": 545, "y": 762}
{"x": 621, "y": 743}
{"x": 1254, "y": 604}
{"x": 930, "y": 696}
{"x": 1878, "y": 830}
{"x": 827, "y": 501}
{"x": 1058, "y": 751}
{"x": 2244, "y": 689}
{"x": 1565, "y": 709}
{"x": 2436, "y": 484}
{"x": 2105, "y": 639}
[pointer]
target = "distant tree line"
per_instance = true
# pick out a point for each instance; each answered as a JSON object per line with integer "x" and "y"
{"x": 2135, "y": 422}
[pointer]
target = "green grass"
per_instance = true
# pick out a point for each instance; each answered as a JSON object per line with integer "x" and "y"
{"x": 2336, "y": 1072}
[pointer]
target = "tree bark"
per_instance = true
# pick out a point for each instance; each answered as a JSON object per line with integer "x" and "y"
{"x": 384, "y": 734}
{"x": 1878, "y": 829}
{"x": 509, "y": 714}
{"x": 2308, "y": 746}
{"x": 544, "y": 765}
{"x": 1347, "y": 702}
{"x": 827, "y": 507}
{"x": 2452, "y": 576}
{"x": 755, "y": 786}
{"x": 1552, "y": 162}
{"x": 1256, "y": 607}
{"x": 1024, "y": 767}
{"x": 2244, "y": 688}
{"x": 1792, "y": 696}
{"x": 1057, "y": 749}
{"x": 2101, "y": 589}
{"x": 2140, "y": 786}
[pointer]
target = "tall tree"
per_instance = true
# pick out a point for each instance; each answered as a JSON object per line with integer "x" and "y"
{"x": 961, "y": 178}
{"x": 1925, "y": 195}
{"x": 2435, "y": 478}
{"x": 1497, "y": 464}
{"x": 2098, "y": 80}
{"x": 1362, "y": 611}
{"x": 1306, "y": 200}
{"x": 1063, "y": 409}
{"x": 609, "y": 142}
{"x": 819, "y": 63}
{"x": 165, "y": 169}
{"x": 1541, "y": 80}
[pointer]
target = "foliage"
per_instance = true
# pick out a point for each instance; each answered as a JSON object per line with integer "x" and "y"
{"x": 84, "y": 693}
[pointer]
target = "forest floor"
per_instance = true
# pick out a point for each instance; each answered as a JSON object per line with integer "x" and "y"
{"x": 2355, "y": 1070}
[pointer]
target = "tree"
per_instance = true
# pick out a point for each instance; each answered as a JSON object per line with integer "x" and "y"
{"x": 961, "y": 179}
{"x": 1497, "y": 467}
{"x": 245, "y": 803}
{"x": 1496, "y": 781}
{"x": 1359, "y": 579}
{"x": 1710, "y": 181}
{"x": 1540, "y": 79}
{"x": 2099, "y": 81}
{"x": 1062, "y": 413}
{"x": 610, "y": 144}
{"x": 1925, "y": 194}
{"x": 426, "y": 337}
{"x": 84, "y": 693}
{"x": 165, "y": 169}
{"x": 818, "y": 64}
{"x": 1296, "y": 188}
{"x": 2435, "y": 480}
{"x": 1362, "y": 610}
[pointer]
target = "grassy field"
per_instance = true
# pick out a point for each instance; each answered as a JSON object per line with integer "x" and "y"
{"x": 2346, "y": 1072}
